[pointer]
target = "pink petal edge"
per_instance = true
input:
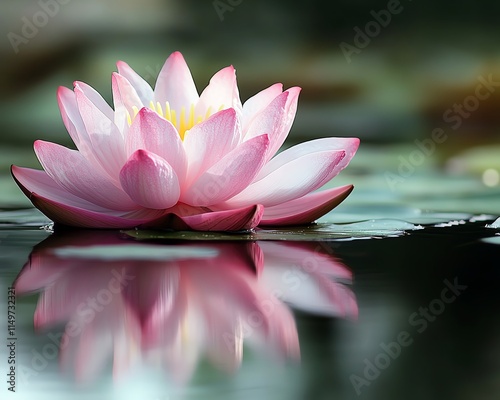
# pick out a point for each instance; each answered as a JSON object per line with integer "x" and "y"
{"x": 75, "y": 214}
{"x": 77, "y": 217}
{"x": 142, "y": 88}
{"x": 306, "y": 209}
{"x": 259, "y": 101}
{"x": 175, "y": 84}
{"x": 240, "y": 219}
{"x": 209, "y": 141}
{"x": 222, "y": 90}
{"x": 294, "y": 180}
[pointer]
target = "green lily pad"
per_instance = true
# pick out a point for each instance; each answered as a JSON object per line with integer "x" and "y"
{"x": 321, "y": 231}
{"x": 362, "y": 212}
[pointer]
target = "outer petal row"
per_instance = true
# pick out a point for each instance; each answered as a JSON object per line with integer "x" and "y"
{"x": 291, "y": 180}
{"x": 64, "y": 208}
{"x": 306, "y": 209}
{"x": 348, "y": 145}
{"x": 32, "y": 181}
{"x": 73, "y": 172}
{"x": 229, "y": 220}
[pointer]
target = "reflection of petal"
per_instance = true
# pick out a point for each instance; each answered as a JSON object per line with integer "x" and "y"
{"x": 225, "y": 348}
{"x": 89, "y": 363}
{"x": 161, "y": 320}
{"x": 304, "y": 275}
{"x": 173, "y": 311}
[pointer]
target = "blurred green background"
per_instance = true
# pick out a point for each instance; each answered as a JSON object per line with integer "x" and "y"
{"x": 393, "y": 88}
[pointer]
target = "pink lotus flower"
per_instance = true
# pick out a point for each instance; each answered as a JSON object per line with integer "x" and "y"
{"x": 171, "y": 158}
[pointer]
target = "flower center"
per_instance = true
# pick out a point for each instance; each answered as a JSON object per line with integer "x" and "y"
{"x": 183, "y": 121}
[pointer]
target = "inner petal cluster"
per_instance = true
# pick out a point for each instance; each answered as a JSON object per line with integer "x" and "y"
{"x": 182, "y": 121}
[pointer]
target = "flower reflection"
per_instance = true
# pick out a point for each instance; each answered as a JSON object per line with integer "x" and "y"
{"x": 170, "y": 305}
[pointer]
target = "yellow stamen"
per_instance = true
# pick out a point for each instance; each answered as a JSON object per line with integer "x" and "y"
{"x": 182, "y": 122}
{"x": 168, "y": 114}
{"x": 159, "y": 109}
{"x": 135, "y": 110}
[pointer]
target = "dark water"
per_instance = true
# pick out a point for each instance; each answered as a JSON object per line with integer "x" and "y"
{"x": 99, "y": 315}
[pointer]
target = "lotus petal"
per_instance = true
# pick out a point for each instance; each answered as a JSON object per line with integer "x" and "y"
{"x": 306, "y": 209}
{"x": 150, "y": 180}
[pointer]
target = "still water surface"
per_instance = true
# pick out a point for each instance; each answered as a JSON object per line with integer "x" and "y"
{"x": 102, "y": 315}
